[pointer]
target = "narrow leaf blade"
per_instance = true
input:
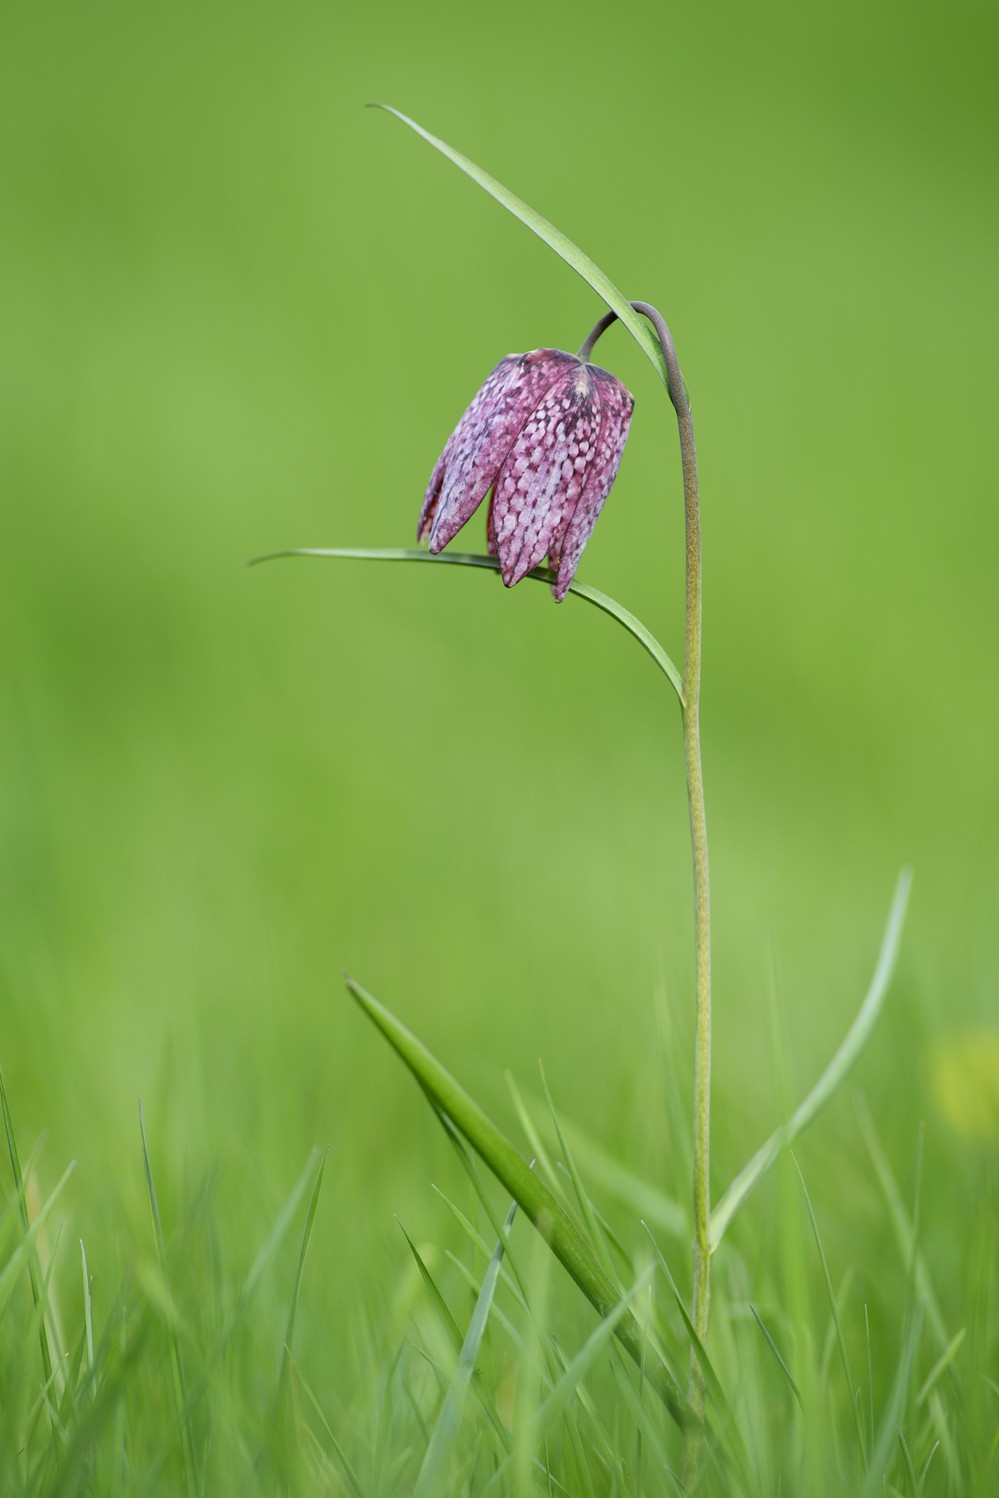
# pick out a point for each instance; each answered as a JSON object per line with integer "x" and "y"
{"x": 310, "y": 1219}
{"x": 533, "y": 1196}
{"x": 554, "y": 238}
{"x": 777, "y": 1354}
{"x": 602, "y": 601}
{"x": 834, "y": 1075}
{"x": 441, "y": 1442}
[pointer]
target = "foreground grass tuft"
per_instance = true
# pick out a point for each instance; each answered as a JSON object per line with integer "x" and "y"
{"x": 474, "y": 1366}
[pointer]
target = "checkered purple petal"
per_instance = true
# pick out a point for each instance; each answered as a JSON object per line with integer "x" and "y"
{"x": 541, "y": 482}
{"x": 612, "y": 405}
{"x": 479, "y": 411}
{"x": 483, "y": 437}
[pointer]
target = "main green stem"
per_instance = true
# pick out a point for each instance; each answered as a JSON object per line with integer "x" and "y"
{"x": 699, "y": 855}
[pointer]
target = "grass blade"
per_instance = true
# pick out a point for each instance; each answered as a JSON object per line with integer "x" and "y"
{"x": 554, "y": 238}
{"x": 740, "y": 1470}
{"x": 15, "y": 1166}
{"x": 837, "y": 1323}
{"x": 352, "y": 1478}
{"x": 482, "y": 1196}
{"x": 531, "y": 1134}
{"x": 474, "y": 1237}
{"x": 25, "y": 1250}
{"x": 870, "y": 1380}
{"x": 905, "y": 1232}
{"x": 299, "y": 1271}
{"x": 602, "y": 601}
{"x": 926, "y": 1466}
{"x": 195, "y": 1392}
{"x": 451, "y": 1327}
{"x": 176, "y": 1358}
{"x": 265, "y": 1253}
{"x": 940, "y": 1367}
{"x": 888, "y": 1436}
{"x": 907, "y": 1460}
{"x": 606, "y": 1171}
{"x": 710, "y": 1376}
{"x": 88, "y": 1321}
{"x": 576, "y": 1370}
{"x": 833, "y": 1076}
{"x": 776, "y": 1352}
{"x": 513, "y": 1336}
{"x": 449, "y": 1420}
{"x": 535, "y": 1199}
{"x": 582, "y": 1198}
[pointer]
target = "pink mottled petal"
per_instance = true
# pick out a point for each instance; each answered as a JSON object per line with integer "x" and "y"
{"x": 614, "y": 405}
{"x": 544, "y": 476}
{"x": 484, "y": 398}
{"x": 432, "y": 496}
{"x": 486, "y": 433}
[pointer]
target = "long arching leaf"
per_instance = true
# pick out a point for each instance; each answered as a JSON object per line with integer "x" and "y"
{"x": 555, "y": 239}
{"x": 548, "y": 1215}
{"x": 599, "y": 600}
{"x": 832, "y": 1078}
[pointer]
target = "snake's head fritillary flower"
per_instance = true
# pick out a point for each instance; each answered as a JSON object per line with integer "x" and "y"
{"x": 545, "y": 434}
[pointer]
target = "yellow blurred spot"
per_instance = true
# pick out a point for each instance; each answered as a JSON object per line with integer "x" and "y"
{"x": 965, "y": 1082}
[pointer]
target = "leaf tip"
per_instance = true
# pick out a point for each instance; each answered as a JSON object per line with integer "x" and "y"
{"x": 388, "y": 109}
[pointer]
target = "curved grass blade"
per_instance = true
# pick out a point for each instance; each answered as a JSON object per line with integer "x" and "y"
{"x": 710, "y": 1376}
{"x": 499, "y": 1319}
{"x": 442, "y": 1440}
{"x": 567, "y": 1387}
{"x": 570, "y": 1388}
{"x": 926, "y": 1465}
{"x": 776, "y": 1352}
{"x": 299, "y": 1272}
{"x": 582, "y": 1197}
{"x": 176, "y": 1355}
{"x": 26, "y": 1251}
{"x": 194, "y": 1391}
{"x": 535, "y": 1199}
{"x": 834, "y": 1310}
{"x": 903, "y": 1225}
{"x": 265, "y": 1254}
{"x": 651, "y": 1453}
{"x": 940, "y": 1367}
{"x": 444, "y": 1312}
{"x": 739, "y": 1469}
{"x": 33, "y": 1264}
{"x": 554, "y": 238}
{"x": 468, "y": 1166}
{"x": 538, "y": 1152}
{"x": 881, "y": 1456}
{"x": 88, "y": 1323}
{"x": 352, "y": 1478}
{"x": 475, "y": 1238}
{"x": 833, "y": 1076}
{"x": 602, "y": 601}
{"x": 607, "y": 1172}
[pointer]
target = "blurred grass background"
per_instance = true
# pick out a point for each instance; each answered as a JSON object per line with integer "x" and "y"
{"x": 239, "y": 312}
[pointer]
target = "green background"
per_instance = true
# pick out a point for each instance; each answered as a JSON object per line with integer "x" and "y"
{"x": 240, "y": 312}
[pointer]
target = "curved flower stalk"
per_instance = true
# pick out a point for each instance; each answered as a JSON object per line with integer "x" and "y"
{"x": 545, "y": 436}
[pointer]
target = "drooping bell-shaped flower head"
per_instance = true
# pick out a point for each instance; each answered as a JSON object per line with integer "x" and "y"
{"x": 545, "y": 434}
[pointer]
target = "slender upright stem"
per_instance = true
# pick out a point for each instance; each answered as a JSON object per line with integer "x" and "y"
{"x": 699, "y": 855}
